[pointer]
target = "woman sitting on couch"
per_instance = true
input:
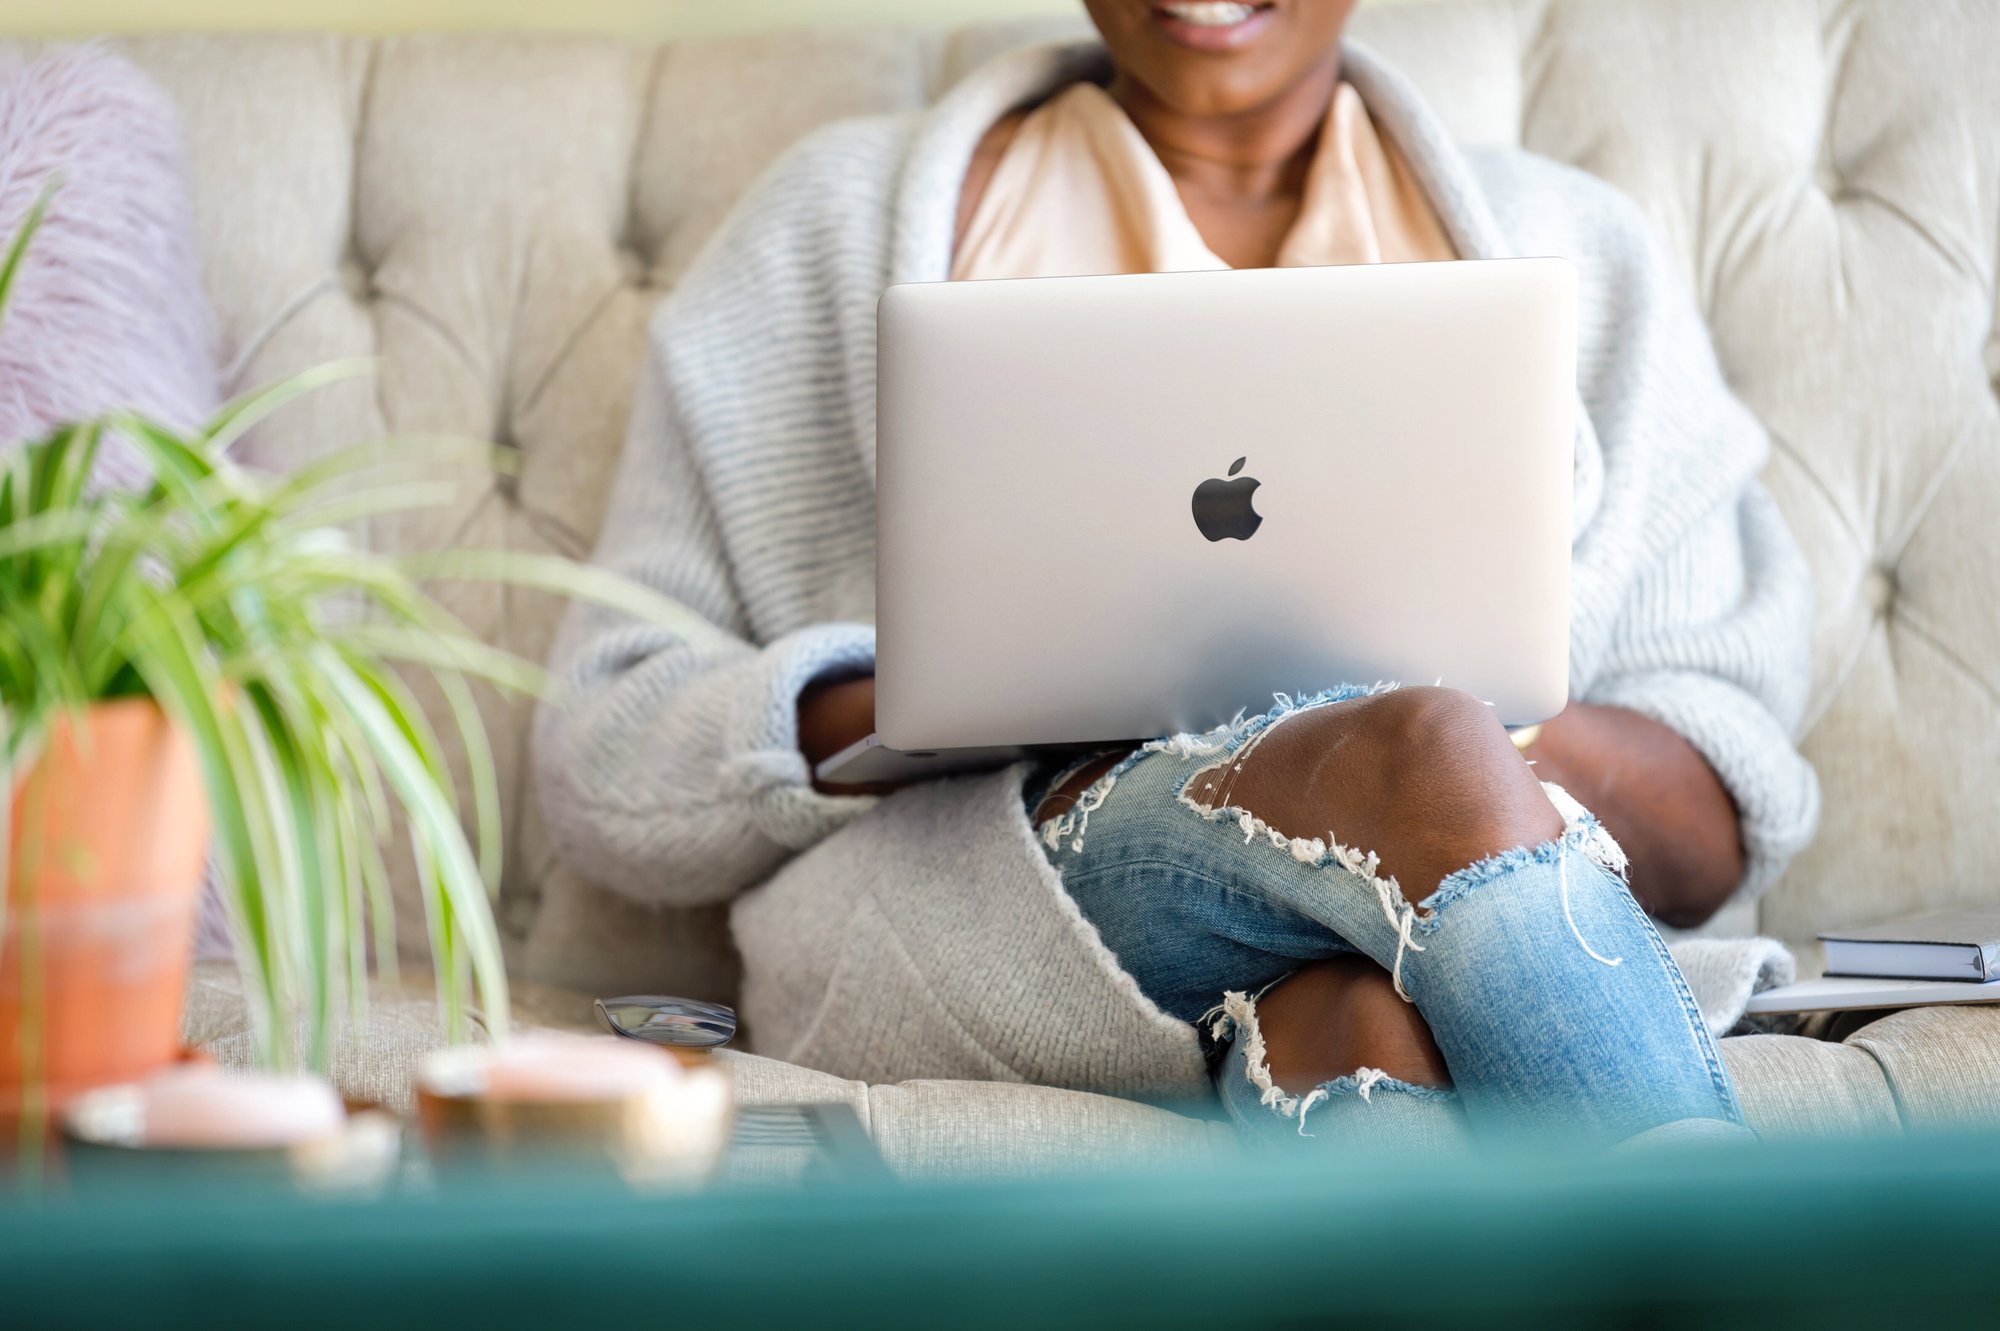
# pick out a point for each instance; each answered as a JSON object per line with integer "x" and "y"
{"x": 1363, "y": 912}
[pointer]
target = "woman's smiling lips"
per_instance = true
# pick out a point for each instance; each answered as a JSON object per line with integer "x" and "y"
{"x": 1212, "y": 25}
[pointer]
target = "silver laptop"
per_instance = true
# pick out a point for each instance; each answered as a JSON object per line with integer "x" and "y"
{"x": 1112, "y": 508}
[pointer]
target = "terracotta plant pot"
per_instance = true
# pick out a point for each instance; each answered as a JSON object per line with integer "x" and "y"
{"x": 108, "y": 832}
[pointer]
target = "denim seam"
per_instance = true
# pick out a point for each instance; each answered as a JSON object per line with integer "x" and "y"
{"x": 1691, "y": 1012}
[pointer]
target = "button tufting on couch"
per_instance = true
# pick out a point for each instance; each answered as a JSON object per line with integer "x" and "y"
{"x": 494, "y": 217}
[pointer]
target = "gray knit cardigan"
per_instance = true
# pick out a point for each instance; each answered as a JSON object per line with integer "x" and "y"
{"x": 924, "y": 934}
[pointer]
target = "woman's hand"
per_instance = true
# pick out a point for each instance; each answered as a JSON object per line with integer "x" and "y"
{"x": 834, "y": 713}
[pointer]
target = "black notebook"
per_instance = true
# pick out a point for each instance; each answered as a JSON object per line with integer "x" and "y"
{"x": 1950, "y": 945}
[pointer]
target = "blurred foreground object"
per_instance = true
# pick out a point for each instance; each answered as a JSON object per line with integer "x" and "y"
{"x": 562, "y": 1098}
{"x": 196, "y": 1125}
{"x": 1890, "y": 1233}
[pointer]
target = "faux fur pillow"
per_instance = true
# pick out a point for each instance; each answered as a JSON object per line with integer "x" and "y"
{"x": 108, "y": 310}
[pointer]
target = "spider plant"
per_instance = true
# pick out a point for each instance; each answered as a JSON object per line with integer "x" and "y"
{"x": 237, "y": 601}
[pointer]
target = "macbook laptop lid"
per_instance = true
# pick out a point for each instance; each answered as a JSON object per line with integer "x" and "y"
{"x": 1116, "y": 507}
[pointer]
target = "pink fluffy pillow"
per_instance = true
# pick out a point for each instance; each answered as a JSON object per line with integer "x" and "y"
{"x": 108, "y": 311}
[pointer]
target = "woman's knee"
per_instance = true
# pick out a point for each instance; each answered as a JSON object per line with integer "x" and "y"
{"x": 1333, "y": 1018}
{"x": 1426, "y": 778}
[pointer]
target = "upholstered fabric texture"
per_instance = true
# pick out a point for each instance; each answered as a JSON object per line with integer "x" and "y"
{"x": 494, "y": 217}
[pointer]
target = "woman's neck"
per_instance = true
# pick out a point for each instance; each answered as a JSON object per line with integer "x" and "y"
{"x": 1252, "y": 158}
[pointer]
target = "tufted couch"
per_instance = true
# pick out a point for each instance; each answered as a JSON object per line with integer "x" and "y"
{"x": 494, "y": 216}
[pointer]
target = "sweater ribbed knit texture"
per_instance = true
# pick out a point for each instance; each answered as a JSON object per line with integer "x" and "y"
{"x": 924, "y": 935}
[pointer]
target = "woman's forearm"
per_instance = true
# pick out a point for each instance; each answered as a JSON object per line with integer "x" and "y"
{"x": 1658, "y": 796}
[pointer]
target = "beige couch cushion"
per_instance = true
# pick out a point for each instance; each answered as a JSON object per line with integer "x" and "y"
{"x": 372, "y": 1063}
{"x": 1829, "y": 178}
{"x": 1942, "y": 1065}
{"x": 996, "y": 1129}
{"x": 1793, "y": 1087}
{"x": 921, "y": 1127}
{"x": 1927, "y": 1069}
{"x": 985, "y": 1129}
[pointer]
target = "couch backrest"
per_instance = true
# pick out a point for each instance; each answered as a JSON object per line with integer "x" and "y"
{"x": 494, "y": 216}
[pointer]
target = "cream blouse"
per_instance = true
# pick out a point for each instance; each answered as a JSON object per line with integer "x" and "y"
{"x": 1079, "y": 190}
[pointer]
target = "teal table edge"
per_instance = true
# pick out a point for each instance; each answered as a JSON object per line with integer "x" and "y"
{"x": 1827, "y": 1233}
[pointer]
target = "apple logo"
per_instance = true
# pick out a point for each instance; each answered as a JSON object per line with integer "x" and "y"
{"x": 1222, "y": 508}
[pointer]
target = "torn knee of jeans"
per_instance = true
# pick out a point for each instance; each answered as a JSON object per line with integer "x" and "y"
{"x": 1207, "y": 793}
{"x": 1582, "y": 836}
{"x": 1209, "y": 790}
{"x": 1235, "y": 1017}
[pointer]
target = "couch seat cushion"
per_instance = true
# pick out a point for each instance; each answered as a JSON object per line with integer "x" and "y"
{"x": 1795, "y": 1087}
{"x": 373, "y": 1065}
{"x": 1942, "y": 1065}
{"x": 1924, "y": 1069}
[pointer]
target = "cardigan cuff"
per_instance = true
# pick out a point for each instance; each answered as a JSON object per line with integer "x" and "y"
{"x": 763, "y": 766}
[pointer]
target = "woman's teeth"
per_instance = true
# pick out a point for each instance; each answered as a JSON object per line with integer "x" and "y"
{"x": 1209, "y": 13}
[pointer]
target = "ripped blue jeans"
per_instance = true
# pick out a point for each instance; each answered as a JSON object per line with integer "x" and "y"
{"x": 1555, "y": 1003}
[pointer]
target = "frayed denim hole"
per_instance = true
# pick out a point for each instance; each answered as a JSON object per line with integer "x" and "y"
{"x": 1181, "y": 788}
{"x": 1225, "y": 740}
{"x": 1223, "y": 754}
{"x": 1585, "y": 837}
{"x": 1366, "y": 1082}
{"x": 1071, "y": 824}
{"x": 1187, "y": 746}
{"x": 1314, "y": 852}
{"x": 1319, "y": 853}
{"x": 1235, "y": 1018}
{"x": 1051, "y": 777}
{"x": 1126, "y": 764}
{"x": 1361, "y": 1085}
{"x": 1576, "y": 839}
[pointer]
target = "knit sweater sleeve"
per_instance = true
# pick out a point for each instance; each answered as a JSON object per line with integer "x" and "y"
{"x": 1694, "y": 602}
{"x": 669, "y": 769}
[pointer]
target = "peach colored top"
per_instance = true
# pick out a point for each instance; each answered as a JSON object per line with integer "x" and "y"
{"x": 1079, "y": 190}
